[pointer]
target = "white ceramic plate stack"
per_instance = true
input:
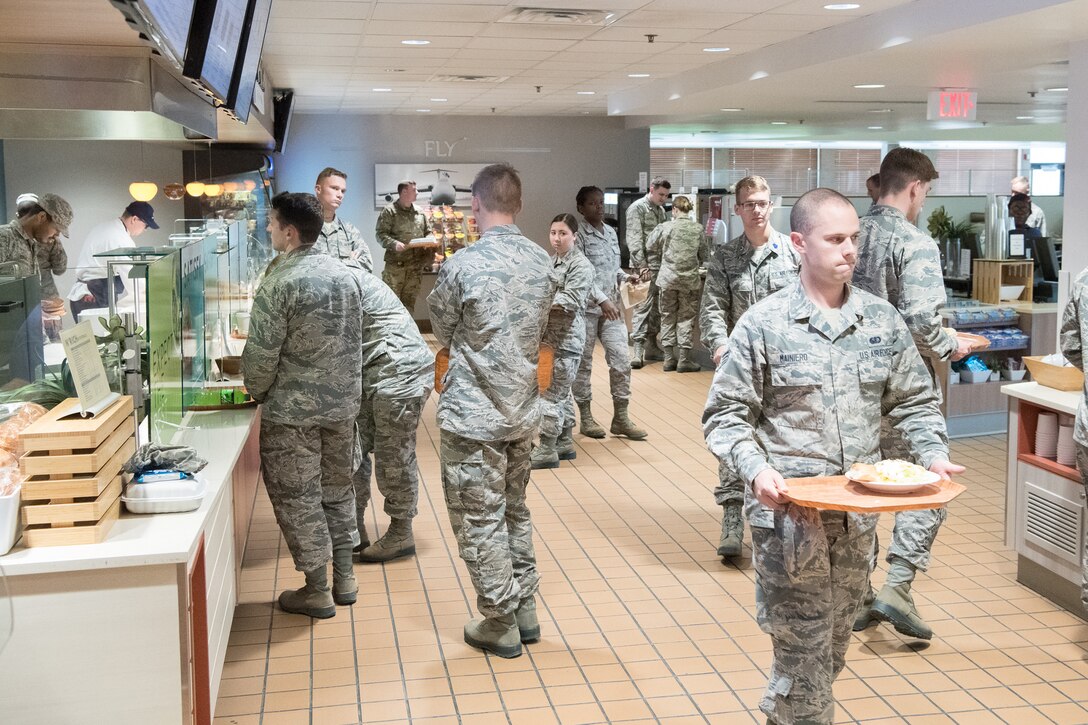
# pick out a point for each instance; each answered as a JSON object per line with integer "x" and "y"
{"x": 1067, "y": 450}
{"x": 1046, "y": 435}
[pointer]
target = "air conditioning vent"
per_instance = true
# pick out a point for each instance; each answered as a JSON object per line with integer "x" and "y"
{"x": 1053, "y": 523}
{"x": 440, "y": 78}
{"x": 558, "y": 16}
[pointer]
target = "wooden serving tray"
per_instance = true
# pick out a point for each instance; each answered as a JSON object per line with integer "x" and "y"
{"x": 83, "y": 460}
{"x": 84, "y": 510}
{"x": 838, "y": 493}
{"x": 78, "y": 534}
{"x": 978, "y": 342}
{"x": 50, "y": 433}
{"x": 44, "y": 488}
{"x": 543, "y": 367}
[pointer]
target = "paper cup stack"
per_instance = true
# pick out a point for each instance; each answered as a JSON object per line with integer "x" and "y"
{"x": 1067, "y": 450}
{"x": 1046, "y": 435}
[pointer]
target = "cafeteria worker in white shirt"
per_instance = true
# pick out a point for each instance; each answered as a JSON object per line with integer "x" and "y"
{"x": 90, "y": 289}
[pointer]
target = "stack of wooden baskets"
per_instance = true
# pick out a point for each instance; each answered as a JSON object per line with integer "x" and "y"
{"x": 73, "y": 473}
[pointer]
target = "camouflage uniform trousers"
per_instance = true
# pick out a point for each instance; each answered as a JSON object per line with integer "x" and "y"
{"x": 556, "y": 406}
{"x": 1082, "y": 464}
{"x": 485, "y": 485}
{"x": 811, "y": 571}
{"x": 404, "y": 280}
{"x": 646, "y": 319}
{"x": 914, "y": 531}
{"x": 613, "y": 337}
{"x": 678, "y": 309}
{"x": 387, "y": 428}
{"x": 730, "y": 488}
{"x": 307, "y": 472}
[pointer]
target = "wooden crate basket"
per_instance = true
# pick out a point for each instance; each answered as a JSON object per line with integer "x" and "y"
{"x": 72, "y": 494}
{"x": 990, "y": 275}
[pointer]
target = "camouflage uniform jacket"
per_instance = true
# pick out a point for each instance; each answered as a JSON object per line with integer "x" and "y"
{"x": 303, "y": 359}
{"x": 899, "y": 263}
{"x": 396, "y": 360}
{"x": 340, "y": 238}
{"x": 489, "y": 306}
{"x": 397, "y": 224}
{"x": 740, "y": 275}
{"x": 803, "y": 390}
{"x": 642, "y": 218}
{"x": 566, "y": 330}
{"x": 16, "y": 246}
{"x": 1073, "y": 334}
{"x": 682, "y": 247}
{"x": 602, "y": 248}
{"x": 52, "y": 260}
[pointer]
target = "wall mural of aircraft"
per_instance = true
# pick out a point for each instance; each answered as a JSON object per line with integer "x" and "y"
{"x": 442, "y": 191}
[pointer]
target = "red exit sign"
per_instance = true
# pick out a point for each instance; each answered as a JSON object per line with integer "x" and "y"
{"x": 956, "y": 105}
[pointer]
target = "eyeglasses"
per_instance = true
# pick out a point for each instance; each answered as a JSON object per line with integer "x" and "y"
{"x": 753, "y": 205}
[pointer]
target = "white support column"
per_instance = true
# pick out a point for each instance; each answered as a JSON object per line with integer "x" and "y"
{"x": 1075, "y": 211}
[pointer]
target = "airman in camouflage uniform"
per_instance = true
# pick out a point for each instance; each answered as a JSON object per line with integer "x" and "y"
{"x": 604, "y": 321}
{"x": 682, "y": 247}
{"x": 643, "y": 216}
{"x": 338, "y": 238}
{"x": 489, "y": 306}
{"x": 901, "y": 264}
{"x": 566, "y": 334}
{"x": 755, "y": 264}
{"x": 398, "y": 375}
{"x": 303, "y": 363}
{"x": 1073, "y": 334}
{"x": 399, "y": 223}
{"x": 780, "y": 407}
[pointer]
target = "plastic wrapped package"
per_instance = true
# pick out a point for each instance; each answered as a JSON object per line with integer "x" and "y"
{"x": 11, "y": 480}
{"x": 18, "y": 418}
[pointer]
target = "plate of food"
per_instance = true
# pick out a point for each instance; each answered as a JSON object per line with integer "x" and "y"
{"x": 892, "y": 476}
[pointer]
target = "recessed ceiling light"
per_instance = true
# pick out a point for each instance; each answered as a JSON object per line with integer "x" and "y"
{"x": 1057, "y": 89}
{"x": 423, "y": 110}
{"x": 381, "y": 90}
{"x": 758, "y": 75}
{"x": 778, "y": 123}
{"x": 585, "y": 113}
{"x": 869, "y": 85}
{"x": 638, "y": 75}
{"x": 730, "y": 110}
{"x": 587, "y": 93}
{"x": 875, "y": 128}
{"x": 674, "y": 97}
{"x": 842, "y": 6}
{"x": 1024, "y": 118}
{"x": 716, "y": 50}
{"x": 415, "y": 42}
{"x": 880, "y": 110}
{"x": 438, "y": 100}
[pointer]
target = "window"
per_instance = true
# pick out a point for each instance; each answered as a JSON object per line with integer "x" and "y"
{"x": 846, "y": 170}
{"x": 682, "y": 167}
{"x": 973, "y": 171}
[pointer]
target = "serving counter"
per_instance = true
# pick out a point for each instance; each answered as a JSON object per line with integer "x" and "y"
{"x": 135, "y": 629}
{"x": 1045, "y": 518}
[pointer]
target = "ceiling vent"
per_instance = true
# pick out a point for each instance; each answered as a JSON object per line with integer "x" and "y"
{"x": 467, "y": 78}
{"x": 558, "y": 16}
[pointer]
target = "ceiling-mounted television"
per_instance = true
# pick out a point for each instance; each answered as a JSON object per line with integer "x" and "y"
{"x": 214, "y": 39}
{"x": 163, "y": 24}
{"x": 240, "y": 98}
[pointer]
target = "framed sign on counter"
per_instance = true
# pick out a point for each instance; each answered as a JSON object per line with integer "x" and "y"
{"x": 1016, "y": 247}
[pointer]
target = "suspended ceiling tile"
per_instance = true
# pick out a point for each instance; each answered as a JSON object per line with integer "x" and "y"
{"x": 789, "y": 23}
{"x": 431, "y": 12}
{"x": 320, "y": 9}
{"x": 293, "y": 26}
{"x": 423, "y": 29}
{"x": 515, "y": 46}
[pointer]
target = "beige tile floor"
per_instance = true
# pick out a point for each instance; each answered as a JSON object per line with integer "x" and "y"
{"x": 641, "y": 621}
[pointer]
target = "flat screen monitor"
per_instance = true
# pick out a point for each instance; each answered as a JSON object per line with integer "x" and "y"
{"x": 1046, "y": 257}
{"x": 245, "y": 74}
{"x": 223, "y": 43}
{"x": 164, "y": 23}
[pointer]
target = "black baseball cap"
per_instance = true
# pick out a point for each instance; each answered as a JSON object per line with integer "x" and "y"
{"x": 144, "y": 212}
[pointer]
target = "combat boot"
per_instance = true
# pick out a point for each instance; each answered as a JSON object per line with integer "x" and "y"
{"x": 313, "y": 600}
{"x": 654, "y": 352}
{"x": 345, "y": 590}
{"x": 589, "y": 427}
{"x": 895, "y": 605}
{"x": 545, "y": 454}
{"x": 865, "y": 617}
{"x": 564, "y": 446}
{"x": 498, "y": 635}
{"x": 732, "y": 529}
{"x": 528, "y": 626}
{"x": 687, "y": 364}
{"x": 395, "y": 543}
{"x": 638, "y": 356}
{"x": 621, "y": 422}
{"x": 670, "y": 359}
